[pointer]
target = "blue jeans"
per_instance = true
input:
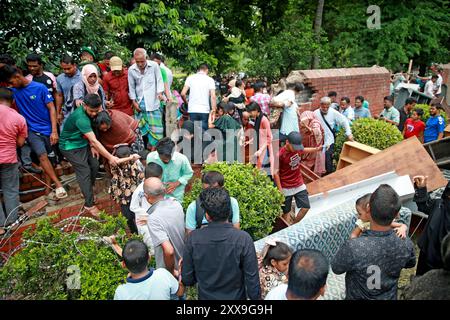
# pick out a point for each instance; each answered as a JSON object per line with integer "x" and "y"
{"x": 203, "y": 117}
{"x": 9, "y": 177}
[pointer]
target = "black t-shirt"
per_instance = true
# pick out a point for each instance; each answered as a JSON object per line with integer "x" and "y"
{"x": 45, "y": 80}
{"x": 403, "y": 117}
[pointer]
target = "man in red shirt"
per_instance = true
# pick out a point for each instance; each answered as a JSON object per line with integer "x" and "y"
{"x": 13, "y": 132}
{"x": 414, "y": 126}
{"x": 288, "y": 177}
{"x": 115, "y": 85}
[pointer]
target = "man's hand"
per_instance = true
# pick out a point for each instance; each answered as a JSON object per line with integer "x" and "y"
{"x": 59, "y": 118}
{"x": 136, "y": 106}
{"x": 113, "y": 161}
{"x": 109, "y": 104}
{"x": 54, "y": 138}
{"x": 95, "y": 153}
{"x": 420, "y": 181}
{"x": 171, "y": 186}
{"x": 160, "y": 97}
{"x": 141, "y": 220}
{"x": 350, "y": 138}
{"x": 401, "y": 231}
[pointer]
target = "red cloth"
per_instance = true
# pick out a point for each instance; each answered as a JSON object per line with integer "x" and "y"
{"x": 413, "y": 128}
{"x": 313, "y": 137}
{"x": 121, "y": 130}
{"x": 103, "y": 67}
{"x": 290, "y": 173}
{"x": 117, "y": 87}
{"x": 13, "y": 125}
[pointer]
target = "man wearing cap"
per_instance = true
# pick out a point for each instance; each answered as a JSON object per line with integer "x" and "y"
{"x": 288, "y": 176}
{"x": 88, "y": 57}
{"x": 115, "y": 85}
{"x": 330, "y": 120}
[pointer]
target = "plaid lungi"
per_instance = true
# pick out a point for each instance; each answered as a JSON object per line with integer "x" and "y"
{"x": 150, "y": 124}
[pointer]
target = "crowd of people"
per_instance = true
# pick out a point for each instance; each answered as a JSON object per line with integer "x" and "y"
{"x": 146, "y": 136}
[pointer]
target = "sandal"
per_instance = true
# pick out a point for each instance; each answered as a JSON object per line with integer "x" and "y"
{"x": 61, "y": 193}
{"x": 2, "y": 232}
{"x": 52, "y": 196}
{"x": 93, "y": 211}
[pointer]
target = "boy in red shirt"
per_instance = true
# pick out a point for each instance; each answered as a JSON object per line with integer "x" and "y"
{"x": 288, "y": 177}
{"x": 414, "y": 126}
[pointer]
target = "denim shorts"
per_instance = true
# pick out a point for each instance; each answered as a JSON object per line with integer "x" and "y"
{"x": 39, "y": 143}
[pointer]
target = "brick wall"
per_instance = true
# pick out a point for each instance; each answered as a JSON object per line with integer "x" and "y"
{"x": 371, "y": 83}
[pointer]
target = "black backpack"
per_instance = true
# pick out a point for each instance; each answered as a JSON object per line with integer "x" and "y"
{"x": 200, "y": 213}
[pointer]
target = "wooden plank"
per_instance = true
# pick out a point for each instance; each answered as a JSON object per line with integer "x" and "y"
{"x": 408, "y": 157}
{"x": 352, "y": 152}
{"x": 308, "y": 175}
{"x": 447, "y": 131}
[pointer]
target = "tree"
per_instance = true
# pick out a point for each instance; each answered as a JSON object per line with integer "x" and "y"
{"x": 317, "y": 27}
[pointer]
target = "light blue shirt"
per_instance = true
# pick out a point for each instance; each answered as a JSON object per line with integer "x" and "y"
{"x": 334, "y": 119}
{"x": 63, "y": 85}
{"x": 361, "y": 113}
{"x": 349, "y": 113}
{"x": 191, "y": 222}
{"x": 178, "y": 169}
{"x": 391, "y": 114}
{"x": 289, "y": 122}
{"x": 146, "y": 85}
{"x": 156, "y": 285}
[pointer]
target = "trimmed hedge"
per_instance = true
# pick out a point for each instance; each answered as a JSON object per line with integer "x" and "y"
{"x": 426, "y": 112}
{"x": 259, "y": 200}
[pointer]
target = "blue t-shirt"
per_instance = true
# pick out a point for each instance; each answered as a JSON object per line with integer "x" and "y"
{"x": 32, "y": 102}
{"x": 434, "y": 126}
{"x": 191, "y": 221}
{"x": 64, "y": 85}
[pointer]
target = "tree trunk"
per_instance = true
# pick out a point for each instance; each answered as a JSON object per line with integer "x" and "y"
{"x": 317, "y": 27}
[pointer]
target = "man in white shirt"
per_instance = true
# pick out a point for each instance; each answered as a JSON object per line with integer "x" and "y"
{"x": 308, "y": 273}
{"x": 146, "y": 89}
{"x": 202, "y": 96}
{"x": 330, "y": 119}
{"x": 286, "y": 99}
{"x": 430, "y": 86}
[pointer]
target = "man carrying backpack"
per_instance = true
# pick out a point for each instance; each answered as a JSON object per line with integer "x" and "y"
{"x": 195, "y": 214}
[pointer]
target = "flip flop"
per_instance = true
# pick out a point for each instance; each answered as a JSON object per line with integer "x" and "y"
{"x": 52, "y": 196}
{"x": 61, "y": 193}
{"x": 93, "y": 211}
{"x": 2, "y": 232}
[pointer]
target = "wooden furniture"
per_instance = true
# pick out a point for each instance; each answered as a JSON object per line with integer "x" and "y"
{"x": 408, "y": 157}
{"x": 439, "y": 150}
{"x": 352, "y": 152}
{"x": 447, "y": 131}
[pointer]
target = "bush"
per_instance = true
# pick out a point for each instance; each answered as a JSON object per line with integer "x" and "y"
{"x": 40, "y": 270}
{"x": 259, "y": 200}
{"x": 375, "y": 133}
{"x": 426, "y": 112}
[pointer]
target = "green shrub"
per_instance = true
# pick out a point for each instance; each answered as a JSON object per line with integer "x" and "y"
{"x": 426, "y": 112}
{"x": 259, "y": 200}
{"x": 39, "y": 270}
{"x": 375, "y": 133}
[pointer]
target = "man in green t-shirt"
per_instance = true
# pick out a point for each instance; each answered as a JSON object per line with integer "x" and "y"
{"x": 79, "y": 145}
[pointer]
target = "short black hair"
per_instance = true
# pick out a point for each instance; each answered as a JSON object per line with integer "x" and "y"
{"x": 103, "y": 117}
{"x": 155, "y": 55}
{"x": 135, "y": 255}
{"x": 108, "y": 55}
{"x": 228, "y": 107}
{"x": 360, "y": 98}
{"x": 143, "y": 154}
{"x": 213, "y": 177}
{"x": 8, "y": 71}
{"x": 68, "y": 59}
{"x": 254, "y": 106}
{"x": 364, "y": 200}
{"x": 384, "y": 205}
{"x": 389, "y": 98}
{"x": 34, "y": 57}
{"x": 410, "y": 101}
{"x": 153, "y": 170}
{"x": 238, "y": 83}
{"x": 279, "y": 252}
{"x": 216, "y": 203}
{"x": 165, "y": 147}
{"x": 332, "y": 94}
{"x": 203, "y": 66}
{"x": 258, "y": 86}
{"x": 434, "y": 76}
{"x": 308, "y": 272}
{"x": 6, "y": 58}
{"x": 346, "y": 99}
{"x": 296, "y": 86}
{"x": 93, "y": 101}
{"x": 6, "y": 95}
{"x": 419, "y": 111}
{"x": 123, "y": 151}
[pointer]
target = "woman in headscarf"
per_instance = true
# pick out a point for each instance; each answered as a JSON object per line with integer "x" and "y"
{"x": 313, "y": 137}
{"x": 88, "y": 85}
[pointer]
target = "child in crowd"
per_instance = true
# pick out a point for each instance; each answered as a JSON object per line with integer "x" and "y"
{"x": 363, "y": 222}
{"x": 144, "y": 283}
{"x": 414, "y": 126}
{"x": 273, "y": 265}
{"x": 125, "y": 178}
